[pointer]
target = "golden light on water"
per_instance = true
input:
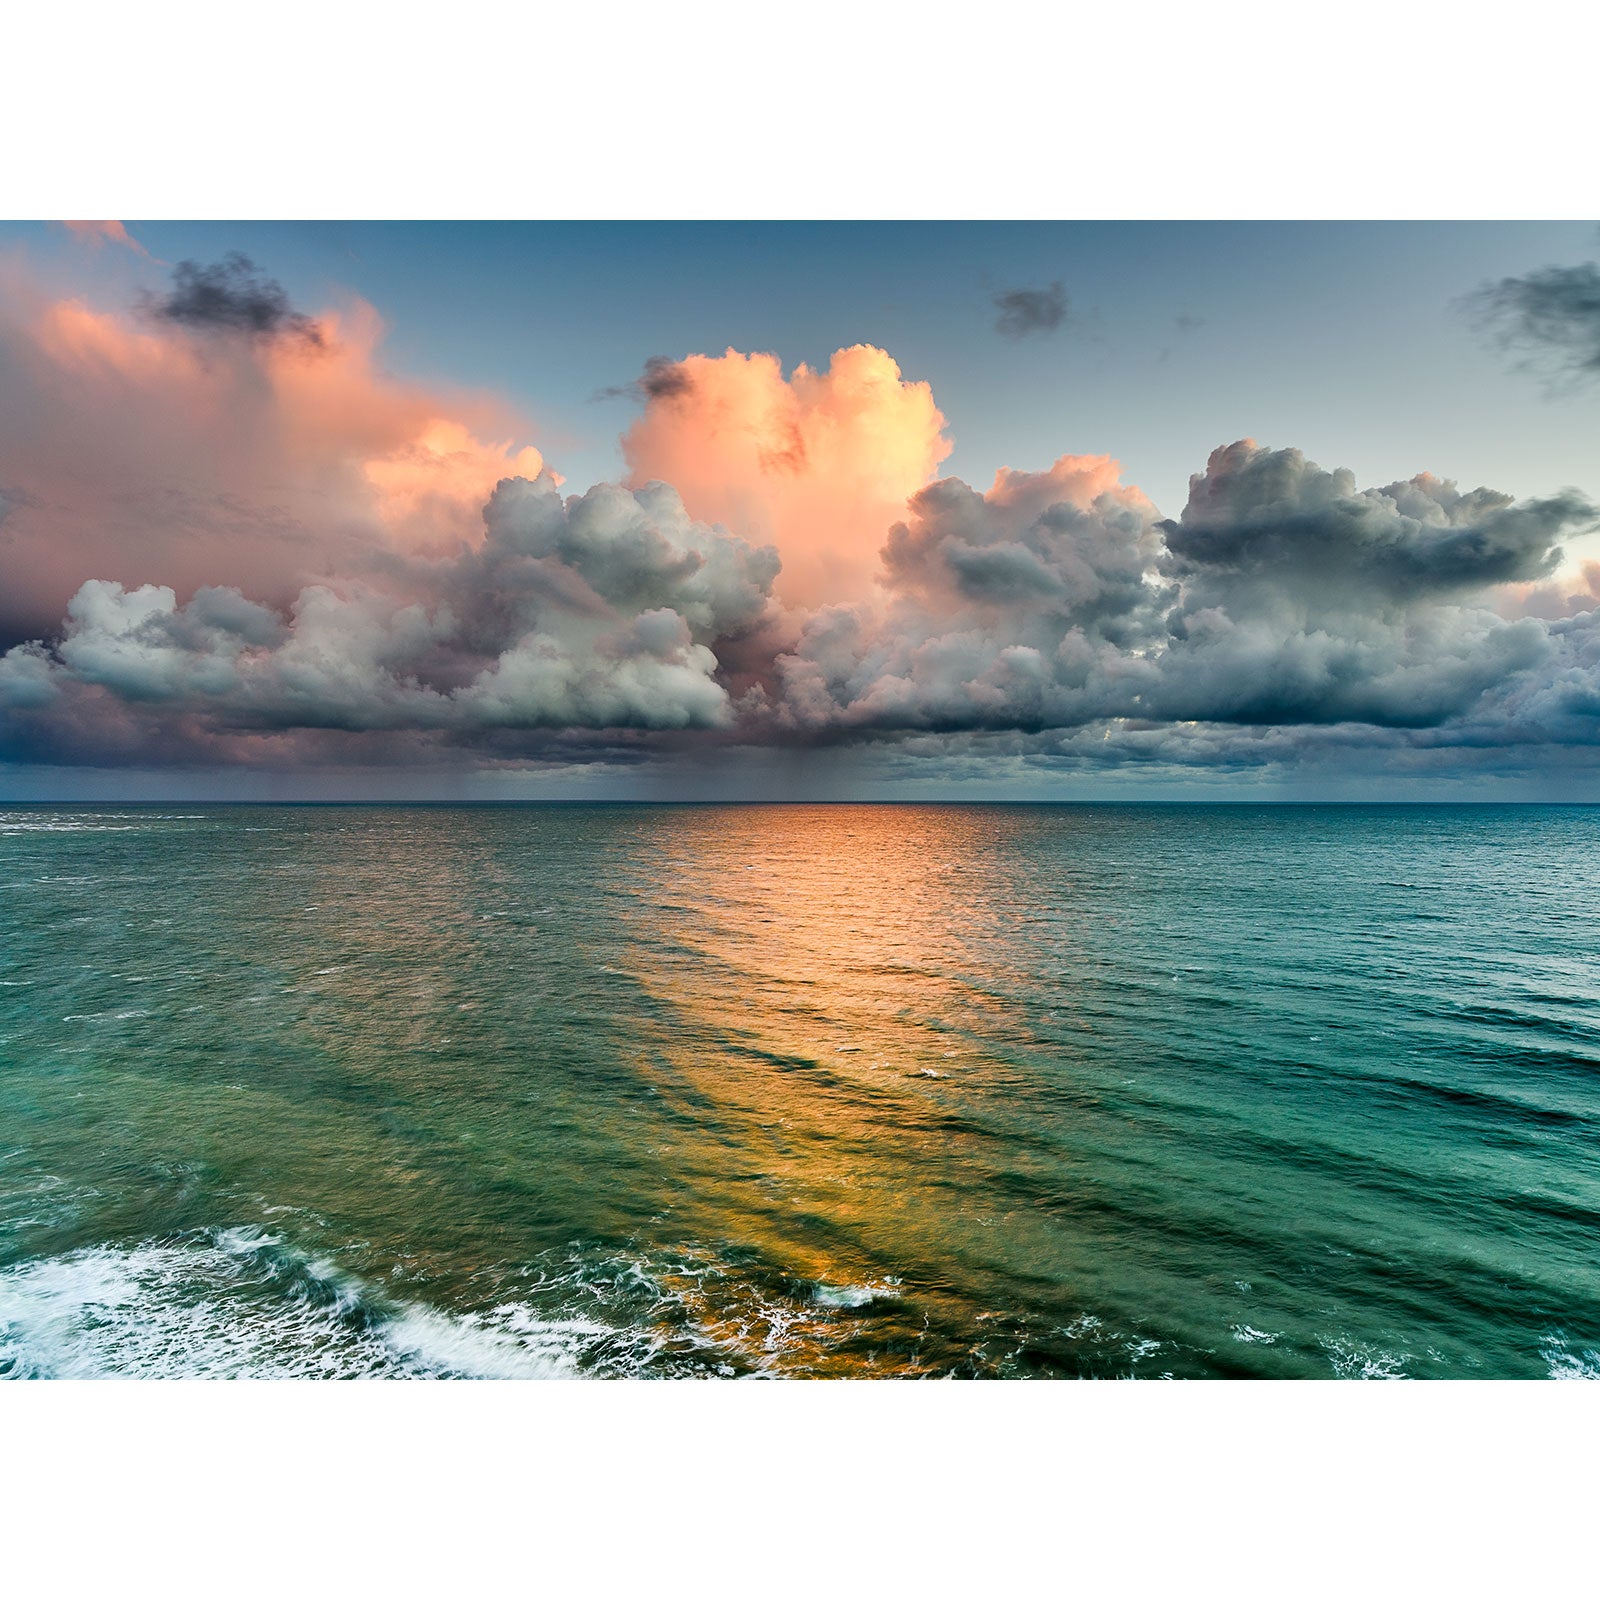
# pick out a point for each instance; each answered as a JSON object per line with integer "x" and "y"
{"x": 822, "y": 973}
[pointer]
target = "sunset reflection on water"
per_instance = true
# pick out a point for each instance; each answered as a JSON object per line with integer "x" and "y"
{"x": 829, "y": 981}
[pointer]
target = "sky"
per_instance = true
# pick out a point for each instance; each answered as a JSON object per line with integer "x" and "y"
{"x": 766, "y": 511}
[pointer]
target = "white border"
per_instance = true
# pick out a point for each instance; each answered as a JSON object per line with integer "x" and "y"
{"x": 840, "y": 108}
{"x": 799, "y": 1489}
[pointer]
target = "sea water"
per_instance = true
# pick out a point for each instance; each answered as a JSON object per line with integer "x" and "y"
{"x": 872, "y": 1091}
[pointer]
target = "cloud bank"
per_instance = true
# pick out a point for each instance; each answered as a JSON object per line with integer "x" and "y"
{"x": 597, "y": 611}
{"x": 229, "y": 537}
{"x": 1283, "y": 595}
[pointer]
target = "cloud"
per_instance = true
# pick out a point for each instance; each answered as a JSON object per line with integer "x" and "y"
{"x": 1072, "y": 541}
{"x": 223, "y": 542}
{"x": 97, "y": 234}
{"x": 614, "y": 549}
{"x": 230, "y": 295}
{"x": 1284, "y": 595}
{"x": 1026, "y": 607}
{"x": 149, "y": 450}
{"x": 1305, "y": 599}
{"x": 664, "y": 379}
{"x": 1553, "y": 314}
{"x": 1271, "y": 518}
{"x": 818, "y": 463}
{"x": 1563, "y": 595}
{"x": 1025, "y": 311}
{"x": 595, "y": 612}
{"x": 1057, "y": 606}
{"x": 661, "y": 379}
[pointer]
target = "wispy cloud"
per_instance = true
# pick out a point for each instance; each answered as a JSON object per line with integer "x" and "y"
{"x": 98, "y": 234}
{"x": 1021, "y": 312}
{"x": 662, "y": 379}
{"x": 1552, "y": 314}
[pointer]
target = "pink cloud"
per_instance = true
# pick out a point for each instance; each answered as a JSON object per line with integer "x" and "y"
{"x": 140, "y": 451}
{"x": 819, "y": 463}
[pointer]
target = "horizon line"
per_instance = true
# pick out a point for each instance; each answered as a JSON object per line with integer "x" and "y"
{"x": 523, "y": 804}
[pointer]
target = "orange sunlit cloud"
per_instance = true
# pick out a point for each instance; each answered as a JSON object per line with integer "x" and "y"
{"x": 1075, "y": 480}
{"x": 820, "y": 463}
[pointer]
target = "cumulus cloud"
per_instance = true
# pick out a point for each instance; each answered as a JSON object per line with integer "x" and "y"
{"x": 1020, "y": 312}
{"x": 818, "y": 462}
{"x": 598, "y": 611}
{"x": 1552, "y": 314}
{"x": 1283, "y": 595}
{"x": 1029, "y": 606}
{"x": 1272, "y": 517}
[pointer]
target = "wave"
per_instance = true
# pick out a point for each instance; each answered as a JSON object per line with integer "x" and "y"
{"x": 240, "y": 1303}
{"x": 1563, "y": 1361}
{"x": 243, "y": 1303}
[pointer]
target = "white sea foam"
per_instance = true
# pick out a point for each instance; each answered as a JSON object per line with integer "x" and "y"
{"x": 852, "y": 1296}
{"x": 1352, "y": 1360}
{"x": 1565, "y": 1362}
{"x": 1245, "y": 1334}
{"x": 237, "y": 1304}
{"x": 53, "y": 825}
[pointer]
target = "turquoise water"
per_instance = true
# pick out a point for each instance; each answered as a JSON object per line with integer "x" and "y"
{"x": 840, "y": 1090}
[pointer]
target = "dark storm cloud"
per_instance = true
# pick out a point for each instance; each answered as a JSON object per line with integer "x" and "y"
{"x": 1025, "y": 311}
{"x": 1553, "y": 314}
{"x": 231, "y": 296}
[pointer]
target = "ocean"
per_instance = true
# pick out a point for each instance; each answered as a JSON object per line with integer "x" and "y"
{"x": 780, "y": 1091}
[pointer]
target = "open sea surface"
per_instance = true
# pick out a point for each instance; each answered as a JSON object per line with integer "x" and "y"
{"x": 867, "y": 1091}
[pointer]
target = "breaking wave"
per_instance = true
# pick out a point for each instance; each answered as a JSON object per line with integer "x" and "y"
{"x": 239, "y": 1303}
